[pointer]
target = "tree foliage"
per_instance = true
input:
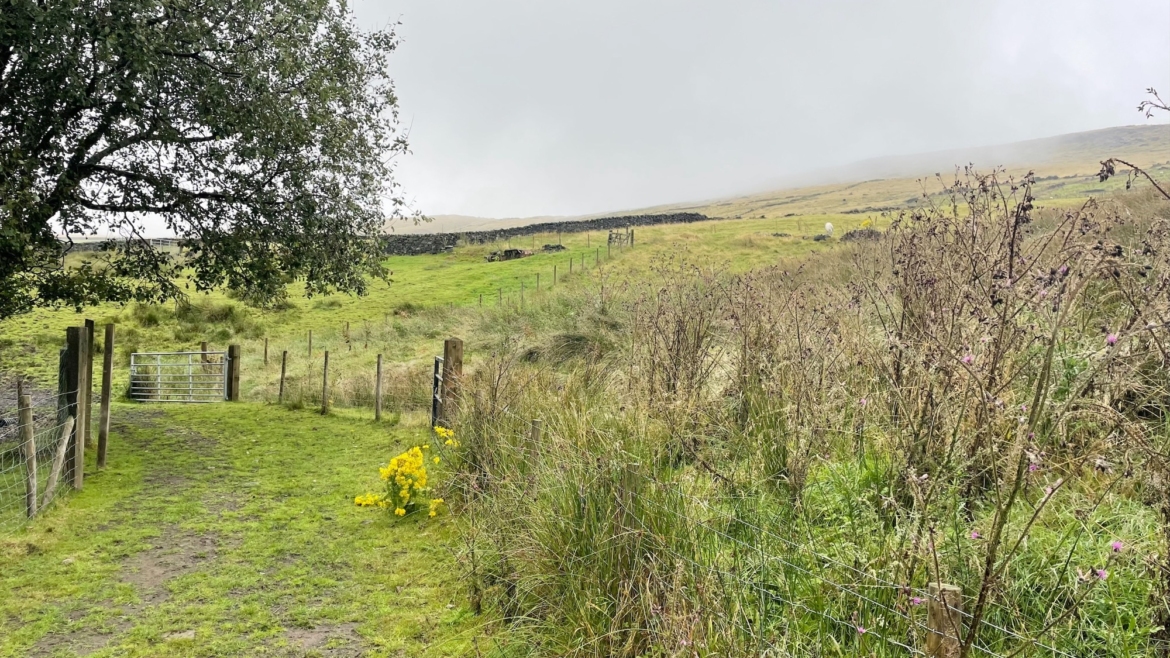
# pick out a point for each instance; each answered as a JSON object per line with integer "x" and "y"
{"x": 262, "y": 132}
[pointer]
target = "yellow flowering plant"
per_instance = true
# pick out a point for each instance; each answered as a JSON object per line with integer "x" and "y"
{"x": 406, "y": 479}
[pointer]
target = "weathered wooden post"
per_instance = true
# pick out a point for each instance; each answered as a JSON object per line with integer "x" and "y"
{"x": 378, "y": 391}
{"x": 597, "y": 257}
{"x": 554, "y": 275}
{"x": 534, "y": 434}
{"x": 481, "y": 300}
{"x": 283, "y": 363}
{"x": 521, "y": 293}
{"x": 310, "y": 343}
{"x": 203, "y": 349}
{"x": 325, "y": 385}
{"x": 452, "y": 374}
{"x": 90, "y": 333}
{"x": 233, "y": 373}
{"x": 348, "y": 342}
{"x": 29, "y": 447}
{"x": 265, "y": 352}
{"x": 76, "y": 357}
{"x": 944, "y": 619}
{"x": 500, "y": 297}
{"x": 631, "y": 237}
{"x": 107, "y": 393}
{"x": 570, "y": 266}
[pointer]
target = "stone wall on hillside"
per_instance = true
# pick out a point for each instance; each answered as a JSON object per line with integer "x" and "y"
{"x": 434, "y": 243}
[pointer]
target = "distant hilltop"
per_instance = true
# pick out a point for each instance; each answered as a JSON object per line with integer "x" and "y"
{"x": 434, "y": 243}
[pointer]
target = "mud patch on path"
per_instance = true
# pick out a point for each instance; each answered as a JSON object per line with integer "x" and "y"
{"x": 174, "y": 555}
{"x": 326, "y": 640}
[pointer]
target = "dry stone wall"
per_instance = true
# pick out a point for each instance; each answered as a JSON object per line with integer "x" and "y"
{"x": 434, "y": 243}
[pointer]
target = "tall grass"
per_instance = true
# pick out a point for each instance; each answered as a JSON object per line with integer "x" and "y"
{"x": 784, "y": 461}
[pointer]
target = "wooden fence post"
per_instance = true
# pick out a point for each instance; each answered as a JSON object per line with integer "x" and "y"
{"x": 570, "y": 265}
{"x": 631, "y": 237}
{"x": 325, "y": 385}
{"x": 203, "y": 349}
{"x": 310, "y": 343}
{"x": 233, "y": 373}
{"x": 534, "y": 434}
{"x": 597, "y": 257}
{"x": 283, "y": 362}
{"x": 452, "y": 374}
{"x": 76, "y": 356}
{"x": 107, "y": 393}
{"x": 378, "y": 391}
{"x": 944, "y": 618}
{"x": 29, "y": 446}
{"x": 90, "y": 336}
{"x": 348, "y": 342}
{"x": 500, "y": 299}
{"x": 554, "y": 275}
{"x": 266, "y": 352}
{"x": 481, "y": 300}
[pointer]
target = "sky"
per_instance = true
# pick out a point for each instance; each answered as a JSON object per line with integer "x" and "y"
{"x": 523, "y": 108}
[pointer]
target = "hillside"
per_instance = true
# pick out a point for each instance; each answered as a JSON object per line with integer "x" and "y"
{"x": 1068, "y": 162}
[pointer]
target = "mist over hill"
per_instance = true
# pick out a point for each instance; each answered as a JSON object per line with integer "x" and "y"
{"x": 880, "y": 182}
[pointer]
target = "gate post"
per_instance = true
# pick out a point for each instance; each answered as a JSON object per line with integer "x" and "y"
{"x": 232, "y": 374}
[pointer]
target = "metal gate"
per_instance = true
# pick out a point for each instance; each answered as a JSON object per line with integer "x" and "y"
{"x": 179, "y": 376}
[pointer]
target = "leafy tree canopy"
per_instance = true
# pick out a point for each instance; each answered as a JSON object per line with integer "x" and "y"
{"x": 260, "y": 131}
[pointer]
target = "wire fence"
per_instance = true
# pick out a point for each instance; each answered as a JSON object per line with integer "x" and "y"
{"x": 781, "y": 583}
{"x": 24, "y": 490}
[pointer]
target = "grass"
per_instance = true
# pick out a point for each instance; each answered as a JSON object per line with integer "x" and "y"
{"x": 237, "y": 523}
{"x": 241, "y": 528}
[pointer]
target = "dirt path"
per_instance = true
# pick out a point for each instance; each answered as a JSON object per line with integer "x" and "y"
{"x": 224, "y": 534}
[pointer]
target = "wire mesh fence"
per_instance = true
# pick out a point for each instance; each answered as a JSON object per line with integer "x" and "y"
{"x": 33, "y": 474}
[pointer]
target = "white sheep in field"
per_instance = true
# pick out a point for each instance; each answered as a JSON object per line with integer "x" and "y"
{"x": 829, "y": 229}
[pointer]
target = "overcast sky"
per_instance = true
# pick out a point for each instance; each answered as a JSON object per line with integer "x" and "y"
{"x": 539, "y": 107}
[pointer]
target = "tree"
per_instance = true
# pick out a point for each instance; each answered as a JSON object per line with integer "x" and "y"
{"x": 262, "y": 132}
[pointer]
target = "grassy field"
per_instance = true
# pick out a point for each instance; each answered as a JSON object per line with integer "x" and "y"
{"x": 216, "y": 534}
{"x": 674, "y": 505}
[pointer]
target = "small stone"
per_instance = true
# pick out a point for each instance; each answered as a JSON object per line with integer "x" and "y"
{"x": 184, "y": 635}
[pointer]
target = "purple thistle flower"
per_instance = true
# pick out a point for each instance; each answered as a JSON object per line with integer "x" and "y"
{"x": 968, "y": 359}
{"x": 915, "y": 601}
{"x": 1117, "y": 546}
{"x": 1063, "y": 270}
{"x": 1111, "y": 339}
{"x": 863, "y": 402}
{"x": 1033, "y": 467}
{"x": 1102, "y": 574}
{"x": 861, "y": 630}
{"x": 975, "y": 535}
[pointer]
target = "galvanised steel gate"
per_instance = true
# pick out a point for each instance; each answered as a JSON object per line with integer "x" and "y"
{"x": 179, "y": 376}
